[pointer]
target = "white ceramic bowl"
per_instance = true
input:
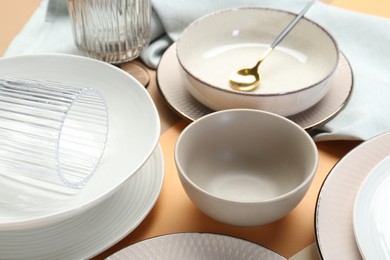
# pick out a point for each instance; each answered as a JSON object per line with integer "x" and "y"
{"x": 295, "y": 74}
{"x": 245, "y": 167}
{"x": 133, "y": 134}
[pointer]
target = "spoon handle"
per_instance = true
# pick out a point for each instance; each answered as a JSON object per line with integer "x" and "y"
{"x": 291, "y": 25}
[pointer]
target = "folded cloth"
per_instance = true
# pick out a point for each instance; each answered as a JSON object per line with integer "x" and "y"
{"x": 364, "y": 39}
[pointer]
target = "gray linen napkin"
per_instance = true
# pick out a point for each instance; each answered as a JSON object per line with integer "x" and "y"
{"x": 364, "y": 39}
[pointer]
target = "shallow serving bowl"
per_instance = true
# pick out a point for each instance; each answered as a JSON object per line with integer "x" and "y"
{"x": 245, "y": 167}
{"x": 294, "y": 75}
{"x": 133, "y": 134}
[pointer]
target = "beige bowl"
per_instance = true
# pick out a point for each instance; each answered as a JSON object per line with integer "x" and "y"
{"x": 245, "y": 167}
{"x": 295, "y": 75}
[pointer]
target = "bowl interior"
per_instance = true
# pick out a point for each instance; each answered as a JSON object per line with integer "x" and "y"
{"x": 246, "y": 156}
{"x": 236, "y": 39}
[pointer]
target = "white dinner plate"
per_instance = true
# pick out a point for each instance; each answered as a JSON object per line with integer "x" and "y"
{"x": 133, "y": 133}
{"x": 372, "y": 213}
{"x": 335, "y": 203}
{"x": 173, "y": 88}
{"x": 195, "y": 246}
{"x": 93, "y": 231}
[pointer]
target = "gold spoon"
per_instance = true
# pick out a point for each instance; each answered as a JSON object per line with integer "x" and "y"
{"x": 248, "y": 79}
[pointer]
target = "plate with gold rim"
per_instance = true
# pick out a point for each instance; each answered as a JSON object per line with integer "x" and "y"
{"x": 334, "y": 228}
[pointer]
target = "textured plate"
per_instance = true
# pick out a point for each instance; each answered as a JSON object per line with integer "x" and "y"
{"x": 93, "y": 231}
{"x": 133, "y": 133}
{"x": 172, "y": 86}
{"x": 199, "y": 246}
{"x": 372, "y": 213}
{"x": 334, "y": 211}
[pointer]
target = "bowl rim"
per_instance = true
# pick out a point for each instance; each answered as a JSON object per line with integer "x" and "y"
{"x": 307, "y": 180}
{"x": 254, "y": 94}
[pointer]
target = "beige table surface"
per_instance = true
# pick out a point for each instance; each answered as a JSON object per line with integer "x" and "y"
{"x": 173, "y": 211}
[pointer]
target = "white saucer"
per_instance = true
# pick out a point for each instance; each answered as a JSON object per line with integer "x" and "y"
{"x": 131, "y": 114}
{"x": 172, "y": 87}
{"x": 195, "y": 246}
{"x": 335, "y": 203}
{"x": 93, "y": 231}
{"x": 371, "y": 218}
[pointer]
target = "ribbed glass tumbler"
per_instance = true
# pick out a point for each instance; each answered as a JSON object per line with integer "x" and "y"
{"x": 51, "y": 134}
{"x": 113, "y": 31}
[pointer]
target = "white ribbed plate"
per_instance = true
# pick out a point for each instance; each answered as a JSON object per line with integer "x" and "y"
{"x": 195, "y": 246}
{"x": 371, "y": 218}
{"x": 335, "y": 203}
{"x": 93, "y": 231}
{"x": 172, "y": 86}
